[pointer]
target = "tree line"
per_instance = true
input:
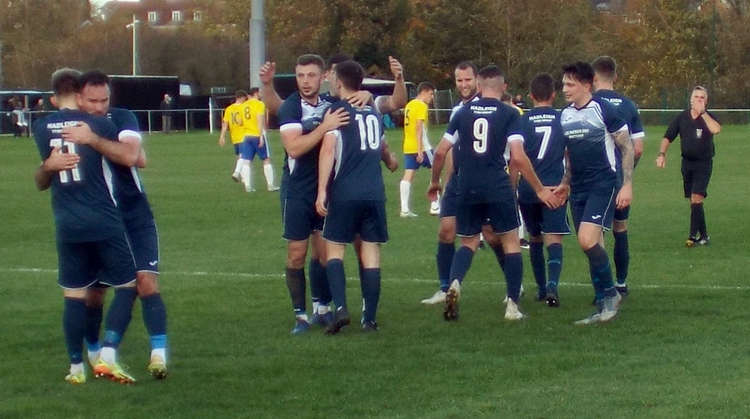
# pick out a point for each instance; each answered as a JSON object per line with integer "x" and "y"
{"x": 663, "y": 47}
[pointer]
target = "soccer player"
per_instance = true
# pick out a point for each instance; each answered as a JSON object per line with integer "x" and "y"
{"x": 696, "y": 128}
{"x": 481, "y": 131}
{"x": 234, "y": 121}
{"x": 417, "y": 149}
{"x": 133, "y": 204}
{"x": 356, "y": 203}
{"x": 89, "y": 228}
{"x": 545, "y": 145}
{"x": 254, "y": 122}
{"x": 304, "y": 119}
{"x": 593, "y": 128}
{"x": 605, "y": 75}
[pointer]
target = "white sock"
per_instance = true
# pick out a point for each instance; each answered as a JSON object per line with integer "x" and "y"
{"x": 160, "y": 352}
{"x": 323, "y": 309}
{"x": 268, "y": 172}
{"x": 237, "y": 168}
{"x": 405, "y": 190}
{"x": 94, "y": 355}
{"x": 76, "y": 368}
{"x": 303, "y": 317}
{"x": 108, "y": 354}
{"x": 246, "y": 175}
{"x": 315, "y": 306}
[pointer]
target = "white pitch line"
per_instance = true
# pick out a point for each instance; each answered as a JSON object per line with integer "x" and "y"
{"x": 391, "y": 279}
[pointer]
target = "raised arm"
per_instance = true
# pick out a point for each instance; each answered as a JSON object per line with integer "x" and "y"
{"x": 711, "y": 123}
{"x": 268, "y": 92}
{"x": 397, "y": 100}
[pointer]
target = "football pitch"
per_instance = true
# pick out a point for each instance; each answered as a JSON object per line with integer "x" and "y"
{"x": 678, "y": 348}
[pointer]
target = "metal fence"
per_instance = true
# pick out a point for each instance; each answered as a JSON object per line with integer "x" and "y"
{"x": 186, "y": 120}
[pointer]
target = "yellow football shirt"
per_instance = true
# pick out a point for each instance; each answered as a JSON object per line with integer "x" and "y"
{"x": 253, "y": 110}
{"x": 233, "y": 115}
{"x": 415, "y": 110}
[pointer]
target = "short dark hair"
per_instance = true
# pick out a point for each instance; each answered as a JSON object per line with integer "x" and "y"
{"x": 505, "y": 97}
{"x": 316, "y": 59}
{"x": 65, "y": 81}
{"x": 490, "y": 72}
{"x": 240, "y": 93}
{"x": 580, "y": 71}
{"x": 425, "y": 86}
{"x": 463, "y": 65}
{"x": 605, "y": 66}
{"x": 542, "y": 87}
{"x": 253, "y": 91}
{"x": 93, "y": 78}
{"x": 350, "y": 73}
{"x": 337, "y": 59}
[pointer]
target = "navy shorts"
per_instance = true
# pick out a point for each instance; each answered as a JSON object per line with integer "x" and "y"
{"x": 346, "y": 219}
{"x": 695, "y": 176}
{"x": 502, "y": 216}
{"x": 410, "y": 160}
{"x": 595, "y": 207}
{"x": 237, "y": 149}
{"x": 299, "y": 218}
{"x": 79, "y": 264}
{"x": 449, "y": 200}
{"x": 144, "y": 239}
{"x": 540, "y": 220}
{"x": 250, "y": 148}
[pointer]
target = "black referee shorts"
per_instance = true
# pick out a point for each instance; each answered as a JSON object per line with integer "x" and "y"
{"x": 695, "y": 176}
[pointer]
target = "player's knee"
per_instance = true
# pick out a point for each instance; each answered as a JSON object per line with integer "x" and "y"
{"x": 78, "y": 293}
{"x": 587, "y": 242}
{"x": 147, "y": 284}
{"x": 447, "y": 234}
{"x": 95, "y": 297}
{"x": 620, "y": 226}
{"x": 696, "y": 199}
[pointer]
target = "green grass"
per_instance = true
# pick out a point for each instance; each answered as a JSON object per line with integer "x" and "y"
{"x": 678, "y": 349}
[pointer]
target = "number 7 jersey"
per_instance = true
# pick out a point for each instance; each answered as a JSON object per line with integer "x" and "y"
{"x": 545, "y": 146}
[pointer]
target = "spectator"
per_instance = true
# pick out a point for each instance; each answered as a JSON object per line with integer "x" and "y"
{"x": 166, "y": 115}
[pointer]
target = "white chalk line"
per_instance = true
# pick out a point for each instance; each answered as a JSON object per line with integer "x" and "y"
{"x": 254, "y": 276}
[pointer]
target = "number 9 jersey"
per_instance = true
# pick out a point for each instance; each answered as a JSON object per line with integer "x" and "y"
{"x": 481, "y": 130}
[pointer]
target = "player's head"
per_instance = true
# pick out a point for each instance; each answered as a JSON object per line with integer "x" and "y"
{"x": 426, "y": 92}
{"x": 507, "y": 98}
{"x": 309, "y": 73}
{"x": 253, "y": 93}
{"x": 542, "y": 89}
{"x": 65, "y": 85}
{"x": 699, "y": 95}
{"x": 240, "y": 96}
{"x": 94, "y": 96}
{"x": 348, "y": 77}
{"x": 466, "y": 79}
{"x": 491, "y": 81}
{"x": 605, "y": 72}
{"x": 578, "y": 79}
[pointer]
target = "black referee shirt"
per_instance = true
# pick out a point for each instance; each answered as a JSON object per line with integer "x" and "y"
{"x": 696, "y": 140}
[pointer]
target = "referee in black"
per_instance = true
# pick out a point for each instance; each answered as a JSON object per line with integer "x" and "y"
{"x": 696, "y": 128}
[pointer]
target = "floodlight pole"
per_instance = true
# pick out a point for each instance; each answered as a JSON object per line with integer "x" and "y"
{"x": 257, "y": 41}
{"x": 136, "y": 61}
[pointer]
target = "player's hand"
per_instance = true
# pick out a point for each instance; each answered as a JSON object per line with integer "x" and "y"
{"x": 260, "y": 140}
{"x": 420, "y": 157}
{"x": 79, "y": 134}
{"x": 58, "y": 161}
{"x": 396, "y": 68}
{"x": 625, "y": 196}
{"x": 661, "y": 161}
{"x": 320, "y": 205}
{"x": 698, "y": 105}
{"x": 221, "y": 141}
{"x": 392, "y": 163}
{"x": 433, "y": 190}
{"x": 267, "y": 71}
{"x": 562, "y": 191}
{"x": 335, "y": 119}
{"x": 360, "y": 98}
{"x": 549, "y": 198}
